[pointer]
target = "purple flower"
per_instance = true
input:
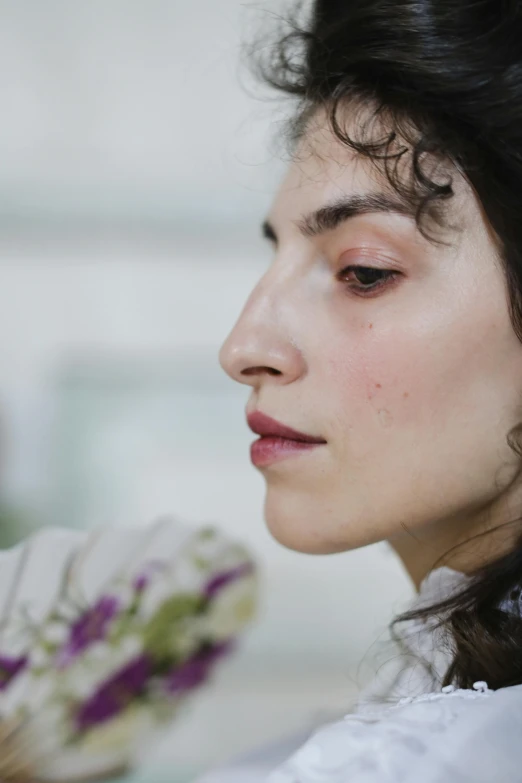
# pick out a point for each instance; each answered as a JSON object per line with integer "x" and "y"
{"x": 9, "y": 668}
{"x": 140, "y": 583}
{"x": 142, "y": 580}
{"x": 90, "y": 627}
{"x": 219, "y": 581}
{"x": 114, "y": 694}
{"x": 196, "y": 670}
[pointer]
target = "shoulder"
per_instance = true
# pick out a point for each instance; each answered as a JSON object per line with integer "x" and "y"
{"x": 439, "y": 737}
{"x": 257, "y": 764}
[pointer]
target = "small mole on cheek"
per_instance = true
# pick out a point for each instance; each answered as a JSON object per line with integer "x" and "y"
{"x": 371, "y": 394}
{"x": 370, "y": 326}
{"x": 406, "y": 394}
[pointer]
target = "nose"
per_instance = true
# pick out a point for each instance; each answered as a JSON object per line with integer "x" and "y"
{"x": 262, "y": 345}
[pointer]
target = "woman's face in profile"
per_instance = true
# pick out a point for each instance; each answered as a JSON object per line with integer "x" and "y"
{"x": 413, "y": 378}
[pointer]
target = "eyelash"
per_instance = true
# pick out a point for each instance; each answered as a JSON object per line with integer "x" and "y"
{"x": 362, "y": 291}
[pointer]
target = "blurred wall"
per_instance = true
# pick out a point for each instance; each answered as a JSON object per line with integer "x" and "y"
{"x": 134, "y": 172}
{"x": 130, "y": 109}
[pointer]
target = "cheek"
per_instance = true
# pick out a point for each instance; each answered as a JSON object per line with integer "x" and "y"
{"x": 404, "y": 387}
{"x": 385, "y": 384}
{"x": 378, "y": 382}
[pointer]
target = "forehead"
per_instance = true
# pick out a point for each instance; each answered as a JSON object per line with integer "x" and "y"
{"x": 321, "y": 170}
{"x": 324, "y": 169}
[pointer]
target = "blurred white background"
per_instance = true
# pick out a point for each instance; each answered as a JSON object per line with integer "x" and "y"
{"x": 135, "y": 170}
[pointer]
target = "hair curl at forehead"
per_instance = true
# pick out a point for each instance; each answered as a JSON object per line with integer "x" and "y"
{"x": 413, "y": 167}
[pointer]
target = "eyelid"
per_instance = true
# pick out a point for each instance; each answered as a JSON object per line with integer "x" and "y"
{"x": 370, "y": 256}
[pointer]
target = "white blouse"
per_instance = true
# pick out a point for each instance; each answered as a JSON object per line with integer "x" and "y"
{"x": 405, "y": 728}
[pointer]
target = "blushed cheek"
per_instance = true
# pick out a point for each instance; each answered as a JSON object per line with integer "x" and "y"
{"x": 373, "y": 385}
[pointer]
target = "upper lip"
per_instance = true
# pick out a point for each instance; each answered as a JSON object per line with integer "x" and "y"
{"x": 264, "y": 425}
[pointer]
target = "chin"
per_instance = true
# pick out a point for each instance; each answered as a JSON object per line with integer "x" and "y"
{"x": 314, "y": 524}
{"x": 298, "y": 528}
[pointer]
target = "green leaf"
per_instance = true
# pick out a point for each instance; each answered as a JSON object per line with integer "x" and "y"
{"x": 200, "y": 562}
{"x": 207, "y": 532}
{"x": 158, "y": 632}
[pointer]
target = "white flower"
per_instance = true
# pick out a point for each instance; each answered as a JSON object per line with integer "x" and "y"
{"x": 56, "y": 633}
{"x": 96, "y": 664}
{"x": 232, "y": 608}
{"x": 122, "y": 732}
{"x": 47, "y": 729}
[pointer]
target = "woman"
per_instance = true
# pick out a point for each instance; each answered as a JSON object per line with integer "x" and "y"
{"x": 387, "y": 331}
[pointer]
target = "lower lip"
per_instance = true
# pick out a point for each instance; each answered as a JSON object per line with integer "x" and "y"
{"x": 270, "y": 449}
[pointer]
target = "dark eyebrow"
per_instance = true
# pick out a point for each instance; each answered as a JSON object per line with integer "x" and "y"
{"x": 331, "y": 216}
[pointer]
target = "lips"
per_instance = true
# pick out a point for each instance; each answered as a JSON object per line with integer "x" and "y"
{"x": 278, "y": 442}
{"x": 266, "y": 427}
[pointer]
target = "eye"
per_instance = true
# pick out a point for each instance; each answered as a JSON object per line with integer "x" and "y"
{"x": 369, "y": 278}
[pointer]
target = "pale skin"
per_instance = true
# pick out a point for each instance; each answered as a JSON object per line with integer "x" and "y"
{"x": 414, "y": 385}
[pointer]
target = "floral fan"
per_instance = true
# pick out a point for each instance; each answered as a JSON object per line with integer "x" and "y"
{"x": 104, "y": 635}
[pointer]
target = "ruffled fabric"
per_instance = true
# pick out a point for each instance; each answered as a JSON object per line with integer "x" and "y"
{"x": 425, "y": 651}
{"x": 407, "y": 728}
{"x": 433, "y": 738}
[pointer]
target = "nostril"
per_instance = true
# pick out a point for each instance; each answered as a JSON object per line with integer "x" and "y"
{"x": 257, "y": 370}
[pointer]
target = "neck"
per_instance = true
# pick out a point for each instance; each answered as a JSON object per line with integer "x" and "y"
{"x": 463, "y": 546}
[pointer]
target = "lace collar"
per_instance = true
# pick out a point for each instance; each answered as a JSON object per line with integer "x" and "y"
{"x": 419, "y": 659}
{"x": 438, "y": 585}
{"x": 406, "y": 727}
